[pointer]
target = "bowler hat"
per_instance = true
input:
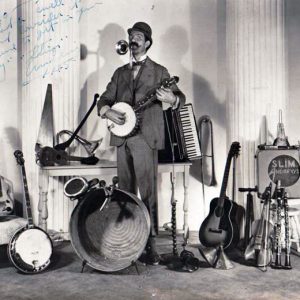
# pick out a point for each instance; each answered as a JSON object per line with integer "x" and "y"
{"x": 144, "y": 28}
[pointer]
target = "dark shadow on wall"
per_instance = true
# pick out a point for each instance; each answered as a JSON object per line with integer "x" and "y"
{"x": 97, "y": 80}
{"x": 174, "y": 46}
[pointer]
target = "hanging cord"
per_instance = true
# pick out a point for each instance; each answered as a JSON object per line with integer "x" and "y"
{"x": 173, "y": 220}
{"x": 189, "y": 262}
{"x": 172, "y": 178}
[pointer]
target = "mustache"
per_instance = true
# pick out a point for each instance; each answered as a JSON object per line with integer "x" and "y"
{"x": 132, "y": 44}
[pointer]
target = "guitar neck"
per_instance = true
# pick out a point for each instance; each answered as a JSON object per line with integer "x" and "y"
{"x": 224, "y": 183}
{"x": 226, "y": 174}
{"x": 27, "y": 199}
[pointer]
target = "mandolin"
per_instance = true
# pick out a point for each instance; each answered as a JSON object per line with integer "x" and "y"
{"x": 48, "y": 156}
{"x": 220, "y": 227}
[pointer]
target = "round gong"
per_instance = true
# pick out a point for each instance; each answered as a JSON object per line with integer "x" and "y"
{"x": 111, "y": 238}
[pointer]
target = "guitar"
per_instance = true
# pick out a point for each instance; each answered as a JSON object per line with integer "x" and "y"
{"x": 30, "y": 248}
{"x": 220, "y": 227}
{"x": 132, "y": 114}
{"x": 6, "y": 197}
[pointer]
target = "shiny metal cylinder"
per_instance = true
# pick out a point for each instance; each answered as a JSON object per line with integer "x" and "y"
{"x": 122, "y": 47}
{"x": 287, "y": 264}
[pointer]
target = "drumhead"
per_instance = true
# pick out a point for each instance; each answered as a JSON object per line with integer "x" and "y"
{"x": 75, "y": 187}
{"x": 130, "y": 120}
{"x": 30, "y": 249}
{"x": 110, "y": 239}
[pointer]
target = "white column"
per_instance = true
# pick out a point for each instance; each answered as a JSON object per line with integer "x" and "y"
{"x": 256, "y": 78}
{"x": 50, "y": 46}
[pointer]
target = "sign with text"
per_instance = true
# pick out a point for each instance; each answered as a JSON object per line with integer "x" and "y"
{"x": 279, "y": 164}
{"x": 284, "y": 168}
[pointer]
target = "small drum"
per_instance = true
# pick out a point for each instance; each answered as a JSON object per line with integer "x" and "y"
{"x": 109, "y": 232}
{"x": 75, "y": 187}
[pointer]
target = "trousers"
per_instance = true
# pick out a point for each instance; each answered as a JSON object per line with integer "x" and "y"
{"x": 137, "y": 171}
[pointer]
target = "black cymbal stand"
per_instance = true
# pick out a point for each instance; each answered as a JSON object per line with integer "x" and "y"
{"x": 249, "y": 214}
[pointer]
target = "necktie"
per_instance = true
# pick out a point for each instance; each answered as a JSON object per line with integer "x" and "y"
{"x": 136, "y": 67}
{"x": 138, "y": 63}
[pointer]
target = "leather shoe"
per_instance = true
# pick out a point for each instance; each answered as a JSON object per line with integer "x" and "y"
{"x": 152, "y": 258}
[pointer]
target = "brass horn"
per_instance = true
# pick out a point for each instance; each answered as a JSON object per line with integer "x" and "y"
{"x": 223, "y": 262}
{"x": 89, "y": 146}
{"x": 216, "y": 257}
{"x": 209, "y": 254}
{"x": 122, "y": 47}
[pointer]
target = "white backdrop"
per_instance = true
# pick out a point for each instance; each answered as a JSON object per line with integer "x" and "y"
{"x": 189, "y": 39}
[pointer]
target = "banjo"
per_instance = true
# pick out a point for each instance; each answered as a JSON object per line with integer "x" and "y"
{"x": 132, "y": 115}
{"x": 30, "y": 248}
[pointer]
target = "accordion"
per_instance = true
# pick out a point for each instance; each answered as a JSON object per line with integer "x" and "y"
{"x": 181, "y": 136}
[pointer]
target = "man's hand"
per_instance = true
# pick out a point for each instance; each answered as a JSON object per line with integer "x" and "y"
{"x": 115, "y": 116}
{"x": 166, "y": 95}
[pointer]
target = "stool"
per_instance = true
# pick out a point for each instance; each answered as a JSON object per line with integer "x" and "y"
{"x": 8, "y": 226}
{"x": 294, "y": 214}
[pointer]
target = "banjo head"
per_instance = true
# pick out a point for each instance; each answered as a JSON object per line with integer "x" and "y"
{"x": 130, "y": 120}
{"x": 30, "y": 250}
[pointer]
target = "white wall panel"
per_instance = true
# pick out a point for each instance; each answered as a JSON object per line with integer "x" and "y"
{"x": 256, "y": 82}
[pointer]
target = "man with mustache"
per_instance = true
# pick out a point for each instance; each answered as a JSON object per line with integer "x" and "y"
{"x": 137, "y": 155}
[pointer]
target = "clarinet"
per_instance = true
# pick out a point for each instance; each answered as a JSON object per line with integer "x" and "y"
{"x": 287, "y": 264}
{"x": 277, "y": 246}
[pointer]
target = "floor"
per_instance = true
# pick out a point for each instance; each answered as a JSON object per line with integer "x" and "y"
{"x": 63, "y": 280}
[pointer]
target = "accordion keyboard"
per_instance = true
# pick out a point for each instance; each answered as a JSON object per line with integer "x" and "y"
{"x": 189, "y": 132}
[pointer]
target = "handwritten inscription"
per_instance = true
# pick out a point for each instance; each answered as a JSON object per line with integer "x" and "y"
{"x": 7, "y": 43}
{"x": 46, "y": 46}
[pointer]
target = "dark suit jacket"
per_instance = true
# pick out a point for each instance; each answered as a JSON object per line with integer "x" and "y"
{"x": 122, "y": 88}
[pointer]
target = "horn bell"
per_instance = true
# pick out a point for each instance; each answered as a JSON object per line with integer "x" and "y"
{"x": 250, "y": 252}
{"x": 209, "y": 254}
{"x": 122, "y": 47}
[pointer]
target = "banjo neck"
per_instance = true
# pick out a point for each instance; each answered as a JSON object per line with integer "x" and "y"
{"x": 151, "y": 95}
{"x": 27, "y": 199}
{"x": 20, "y": 160}
{"x": 30, "y": 249}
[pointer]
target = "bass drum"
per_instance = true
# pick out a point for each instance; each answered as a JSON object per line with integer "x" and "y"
{"x": 109, "y": 237}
